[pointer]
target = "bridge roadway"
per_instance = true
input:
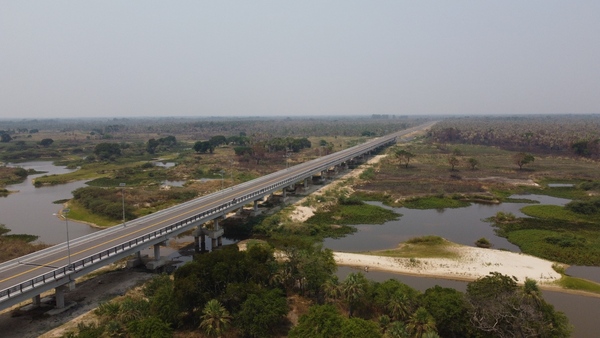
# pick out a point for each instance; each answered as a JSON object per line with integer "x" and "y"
{"x": 30, "y": 275}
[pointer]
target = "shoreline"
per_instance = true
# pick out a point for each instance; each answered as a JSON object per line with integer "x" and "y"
{"x": 472, "y": 264}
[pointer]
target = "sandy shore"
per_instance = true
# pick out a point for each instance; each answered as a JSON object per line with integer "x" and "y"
{"x": 471, "y": 264}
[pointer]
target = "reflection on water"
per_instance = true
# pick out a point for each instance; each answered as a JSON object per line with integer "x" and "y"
{"x": 582, "y": 311}
{"x": 30, "y": 210}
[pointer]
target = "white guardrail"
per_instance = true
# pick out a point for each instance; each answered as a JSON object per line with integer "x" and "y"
{"x": 308, "y": 169}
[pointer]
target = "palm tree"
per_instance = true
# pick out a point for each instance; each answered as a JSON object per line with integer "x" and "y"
{"x": 353, "y": 288}
{"x": 215, "y": 318}
{"x": 420, "y": 322}
{"x": 399, "y": 306}
{"x": 332, "y": 290}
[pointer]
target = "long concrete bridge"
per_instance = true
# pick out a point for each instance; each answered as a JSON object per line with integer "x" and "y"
{"x": 57, "y": 267}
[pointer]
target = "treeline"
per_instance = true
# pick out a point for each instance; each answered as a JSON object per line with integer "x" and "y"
{"x": 204, "y": 128}
{"x": 565, "y": 134}
{"x": 250, "y": 293}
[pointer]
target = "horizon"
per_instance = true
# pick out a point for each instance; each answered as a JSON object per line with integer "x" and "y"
{"x": 339, "y": 58}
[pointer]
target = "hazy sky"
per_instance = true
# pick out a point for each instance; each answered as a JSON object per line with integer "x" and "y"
{"x": 211, "y": 58}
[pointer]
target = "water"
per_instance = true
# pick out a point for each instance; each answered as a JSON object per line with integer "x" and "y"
{"x": 30, "y": 210}
{"x": 173, "y": 183}
{"x": 582, "y": 311}
{"x": 163, "y": 164}
{"x": 465, "y": 226}
{"x": 461, "y": 225}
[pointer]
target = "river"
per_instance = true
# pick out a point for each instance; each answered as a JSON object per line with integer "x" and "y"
{"x": 30, "y": 211}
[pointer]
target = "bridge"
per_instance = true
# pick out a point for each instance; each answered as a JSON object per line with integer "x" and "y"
{"x": 57, "y": 267}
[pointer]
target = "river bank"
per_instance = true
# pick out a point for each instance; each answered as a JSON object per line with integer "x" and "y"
{"x": 470, "y": 264}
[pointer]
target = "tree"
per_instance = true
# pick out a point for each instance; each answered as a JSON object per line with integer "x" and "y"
{"x": 5, "y": 138}
{"x": 453, "y": 161}
{"x": 358, "y": 327}
{"x": 106, "y": 151}
{"x": 258, "y": 152}
{"x": 203, "y": 147}
{"x": 404, "y": 155}
{"x": 215, "y": 318}
{"x": 450, "y": 310}
{"x": 316, "y": 266}
{"x": 353, "y": 290}
{"x": 420, "y": 322}
{"x": 473, "y": 162}
{"x": 321, "y": 321}
{"x": 242, "y": 150}
{"x": 262, "y": 313}
{"x": 331, "y": 289}
{"x": 399, "y": 306}
{"x": 521, "y": 159}
{"x": 503, "y": 309}
{"x": 217, "y": 140}
{"x": 46, "y": 142}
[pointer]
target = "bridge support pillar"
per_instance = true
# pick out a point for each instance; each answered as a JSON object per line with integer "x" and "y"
{"x": 220, "y": 241}
{"x": 197, "y": 244}
{"x": 36, "y": 301}
{"x": 213, "y": 242}
{"x": 59, "y": 294}
{"x": 305, "y": 183}
{"x": 284, "y": 195}
{"x": 255, "y": 208}
{"x": 157, "y": 252}
{"x": 202, "y": 244}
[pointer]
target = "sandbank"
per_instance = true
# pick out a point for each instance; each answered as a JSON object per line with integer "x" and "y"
{"x": 471, "y": 263}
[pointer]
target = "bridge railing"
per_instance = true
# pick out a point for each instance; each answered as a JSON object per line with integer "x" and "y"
{"x": 129, "y": 245}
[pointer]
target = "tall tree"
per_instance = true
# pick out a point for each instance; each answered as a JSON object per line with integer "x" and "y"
{"x": 502, "y": 309}
{"x": 453, "y": 161}
{"x": 404, "y": 155}
{"x": 353, "y": 290}
{"x": 521, "y": 159}
{"x": 215, "y": 318}
{"x": 420, "y": 322}
{"x": 321, "y": 321}
{"x": 473, "y": 162}
{"x": 46, "y": 142}
{"x": 261, "y": 314}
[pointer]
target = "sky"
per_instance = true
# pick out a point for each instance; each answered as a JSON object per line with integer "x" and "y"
{"x": 298, "y": 58}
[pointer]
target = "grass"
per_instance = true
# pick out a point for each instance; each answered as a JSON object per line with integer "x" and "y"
{"x": 353, "y": 214}
{"x": 434, "y": 203}
{"x": 81, "y": 214}
{"x": 420, "y": 247}
{"x": 574, "y": 283}
{"x": 549, "y": 240}
{"x": 557, "y": 212}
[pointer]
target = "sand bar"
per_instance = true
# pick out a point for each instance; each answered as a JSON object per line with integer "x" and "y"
{"x": 472, "y": 263}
